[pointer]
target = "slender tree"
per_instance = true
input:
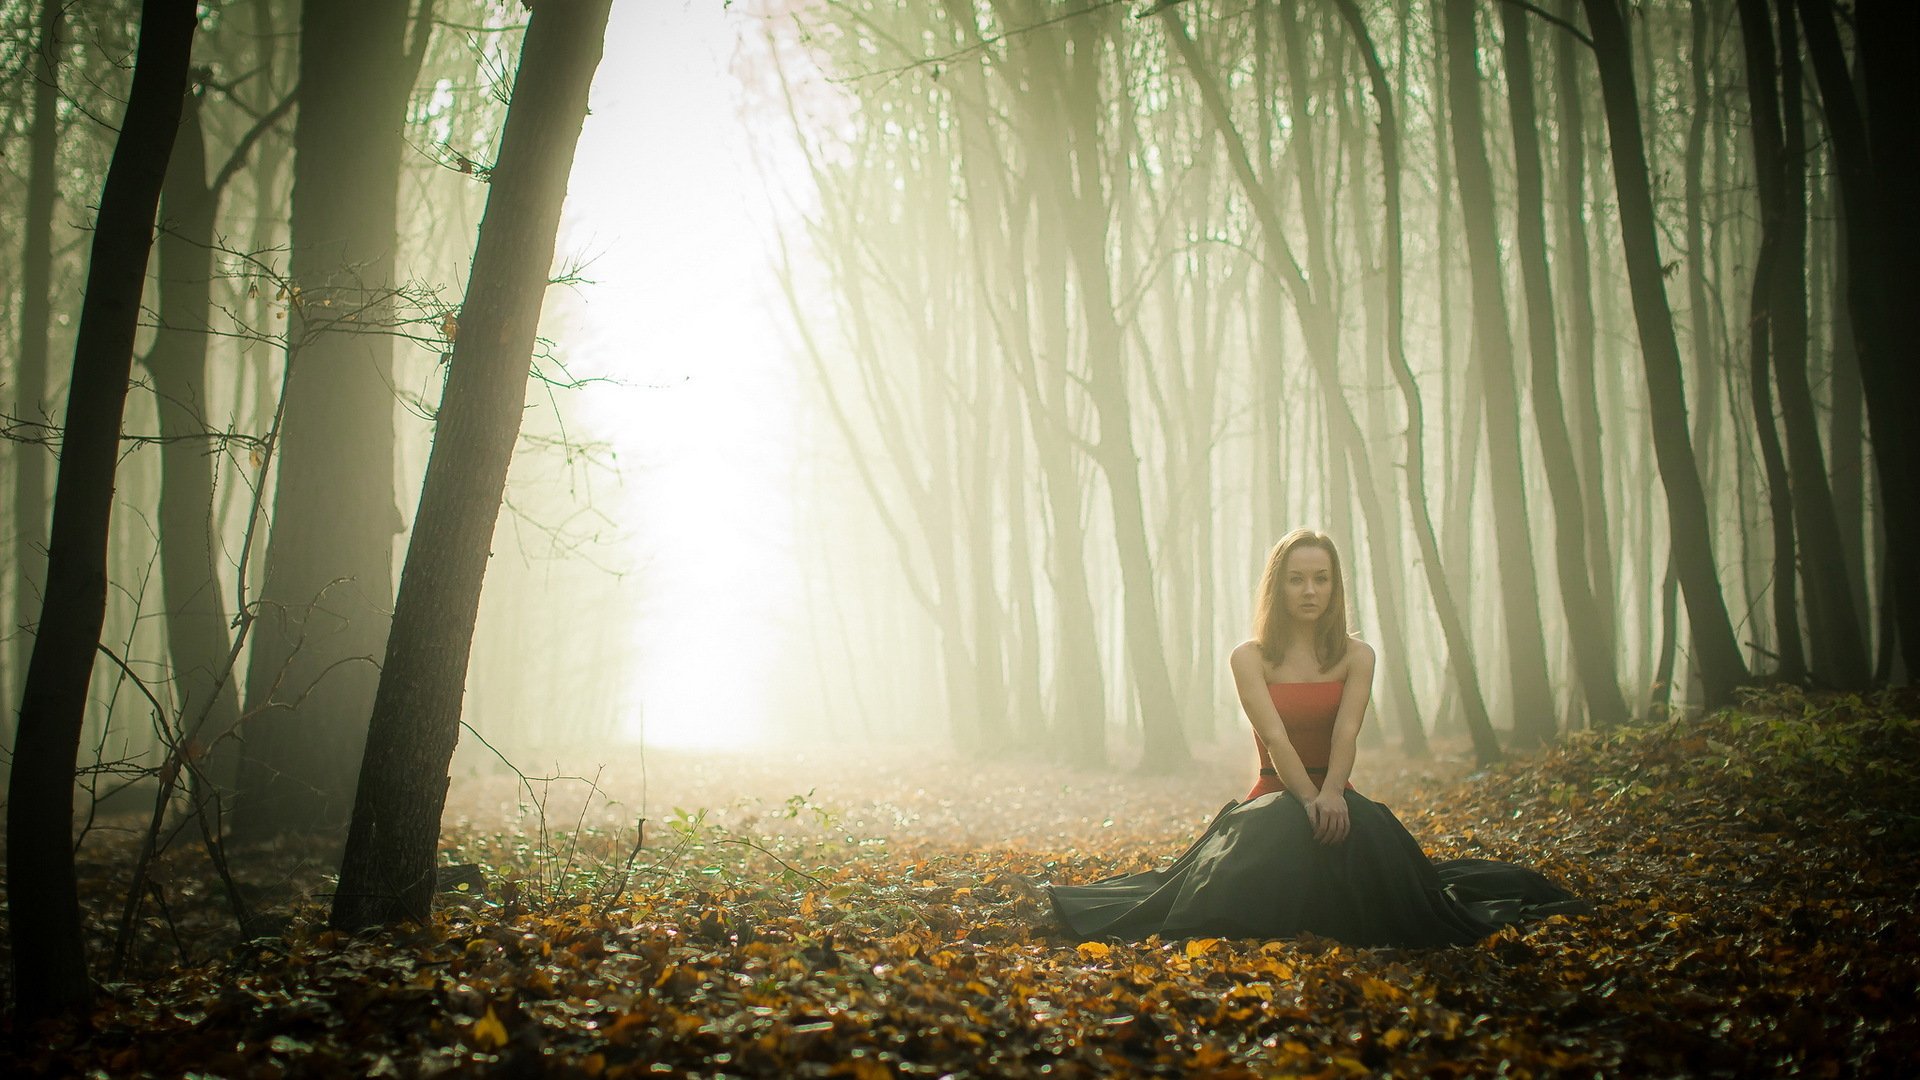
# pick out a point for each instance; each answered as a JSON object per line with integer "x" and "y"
{"x": 1593, "y": 654}
{"x": 1780, "y": 326}
{"x": 198, "y": 641}
{"x": 387, "y": 872}
{"x": 1493, "y": 351}
{"x": 1716, "y": 652}
{"x": 1875, "y": 157}
{"x": 29, "y": 389}
{"x": 1459, "y": 641}
{"x": 49, "y": 963}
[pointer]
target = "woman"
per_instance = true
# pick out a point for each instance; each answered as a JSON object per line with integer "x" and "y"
{"x": 1305, "y": 852}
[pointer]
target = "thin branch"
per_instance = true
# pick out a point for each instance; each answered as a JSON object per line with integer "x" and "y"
{"x": 240, "y": 149}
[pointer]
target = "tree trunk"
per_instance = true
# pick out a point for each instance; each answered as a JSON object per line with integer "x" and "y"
{"x": 1533, "y": 715}
{"x": 1576, "y": 295}
{"x": 1763, "y": 320}
{"x": 329, "y": 560}
{"x": 29, "y": 388}
{"x": 1716, "y": 652}
{"x": 1081, "y": 204}
{"x": 1876, "y": 155}
{"x": 1593, "y": 655}
{"x": 1454, "y": 628}
{"x": 198, "y": 642}
{"x": 49, "y": 959}
{"x": 387, "y": 873}
{"x": 1839, "y": 653}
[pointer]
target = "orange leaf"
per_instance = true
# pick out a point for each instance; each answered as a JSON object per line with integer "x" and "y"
{"x": 488, "y": 1033}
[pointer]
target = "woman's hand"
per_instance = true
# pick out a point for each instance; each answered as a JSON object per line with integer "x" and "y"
{"x": 1327, "y": 813}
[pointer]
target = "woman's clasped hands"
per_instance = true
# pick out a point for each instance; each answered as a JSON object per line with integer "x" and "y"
{"x": 1327, "y": 813}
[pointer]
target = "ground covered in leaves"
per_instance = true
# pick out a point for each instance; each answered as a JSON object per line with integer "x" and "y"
{"x": 1753, "y": 876}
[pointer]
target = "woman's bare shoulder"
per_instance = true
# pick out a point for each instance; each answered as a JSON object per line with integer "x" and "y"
{"x": 1358, "y": 660}
{"x": 1247, "y": 657}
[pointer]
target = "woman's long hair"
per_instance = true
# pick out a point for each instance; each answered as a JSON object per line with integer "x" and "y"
{"x": 1270, "y": 620}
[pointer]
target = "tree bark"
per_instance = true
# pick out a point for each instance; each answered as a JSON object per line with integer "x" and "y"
{"x": 387, "y": 873}
{"x": 49, "y": 961}
{"x": 1716, "y": 651}
{"x": 1533, "y": 715}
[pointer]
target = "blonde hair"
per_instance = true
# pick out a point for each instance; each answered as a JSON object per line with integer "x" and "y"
{"x": 1270, "y": 623}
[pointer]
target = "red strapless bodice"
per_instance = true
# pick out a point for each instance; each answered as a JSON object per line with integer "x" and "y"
{"x": 1308, "y": 709}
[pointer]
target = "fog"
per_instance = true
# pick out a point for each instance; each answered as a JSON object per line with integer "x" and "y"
{"x": 940, "y": 386}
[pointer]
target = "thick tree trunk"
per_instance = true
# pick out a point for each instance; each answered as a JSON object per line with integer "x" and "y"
{"x": 29, "y": 389}
{"x": 49, "y": 961}
{"x": 387, "y": 873}
{"x": 325, "y": 606}
{"x": 1593, "y": 655}
{"x": 1716, "y": 651}
{"x": 1533, "y": 714}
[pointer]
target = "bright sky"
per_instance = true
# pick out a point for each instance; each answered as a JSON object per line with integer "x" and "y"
{"x": 666, "y": 203}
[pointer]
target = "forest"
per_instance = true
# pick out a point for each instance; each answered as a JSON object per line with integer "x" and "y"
{"x": 599, "y": 539}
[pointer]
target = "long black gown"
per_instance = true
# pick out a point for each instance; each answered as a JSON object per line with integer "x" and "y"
{"x": 1257, "y": 871}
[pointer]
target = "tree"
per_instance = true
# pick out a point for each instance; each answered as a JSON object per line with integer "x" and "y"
{"x": 1533, "y": 720}
{"x": 1716, "y": 652}
{"x": 36, "y": 312}
{"x": 329, "y": 562}
{"x": 1588, "y": 624}
{"x": 1459, "y": 642}
{"x": 387, "y": 872}
{"x": 196, "y": 616}
{"x": 1875, "y": 157}
{"x": 43, "y": 908}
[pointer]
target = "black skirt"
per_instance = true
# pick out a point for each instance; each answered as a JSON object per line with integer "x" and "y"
{"x": 1258, "y": 872}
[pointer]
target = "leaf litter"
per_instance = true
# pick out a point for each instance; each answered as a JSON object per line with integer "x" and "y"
{"x": 1752, "y": 874}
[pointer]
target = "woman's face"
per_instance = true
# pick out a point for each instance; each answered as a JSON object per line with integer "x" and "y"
{"x": 1308, "y": 583}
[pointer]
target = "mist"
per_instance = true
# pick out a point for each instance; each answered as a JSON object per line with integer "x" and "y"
{"x": 848, "y": 423}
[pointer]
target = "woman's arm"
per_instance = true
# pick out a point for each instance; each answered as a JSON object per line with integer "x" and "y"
{"x": 1353, "y": 710}
{"x": 1328, "y": 812}
{"x": 1250, "y": 679}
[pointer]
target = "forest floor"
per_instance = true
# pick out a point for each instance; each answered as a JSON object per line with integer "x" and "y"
{"x": 1753, "y": 876}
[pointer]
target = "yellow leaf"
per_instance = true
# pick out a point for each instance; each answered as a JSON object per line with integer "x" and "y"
{"x": 488, "y": 1033}
{"x": 1094, "y": 950}
{"x": 1199, "y": 947}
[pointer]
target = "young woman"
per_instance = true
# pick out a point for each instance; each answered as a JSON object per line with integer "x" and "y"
{"x": 1305, "y": 852}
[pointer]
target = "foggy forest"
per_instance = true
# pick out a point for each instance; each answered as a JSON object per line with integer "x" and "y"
{"x": 872, "y": 538}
